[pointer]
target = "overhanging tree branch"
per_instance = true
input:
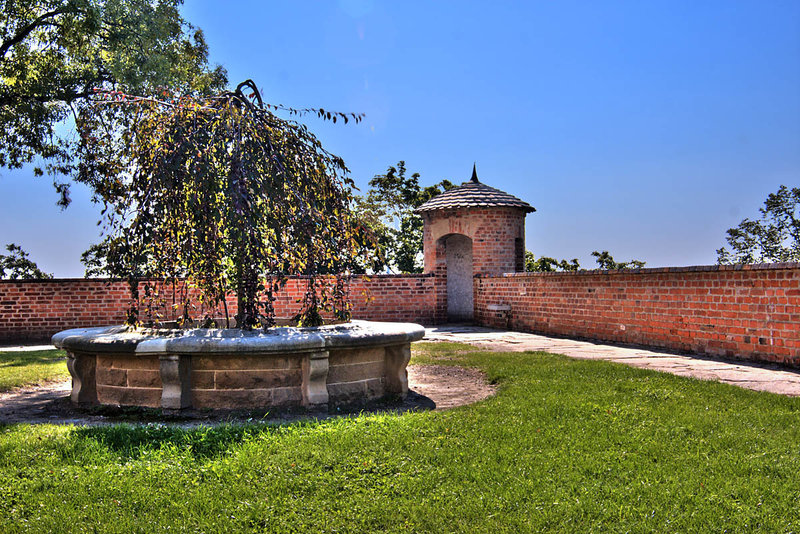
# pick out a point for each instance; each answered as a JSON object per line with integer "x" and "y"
{"x": 26, "y": 30}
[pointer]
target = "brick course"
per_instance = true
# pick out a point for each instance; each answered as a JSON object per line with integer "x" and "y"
{"x": 750, "y": 312}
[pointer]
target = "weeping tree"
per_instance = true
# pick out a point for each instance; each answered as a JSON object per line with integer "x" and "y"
{"x": 222, "y": 193}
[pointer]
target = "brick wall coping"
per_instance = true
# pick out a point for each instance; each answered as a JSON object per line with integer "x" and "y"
{"x": 388, "y": 275}
{"x": 57, "y": 280}
{"x": 655, "y": 270}
{"x": 647, "y": 270}
{"x": 112, "y": 280}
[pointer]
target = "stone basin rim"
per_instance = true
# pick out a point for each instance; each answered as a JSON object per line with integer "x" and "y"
{"x": 239, "y": 369}
{"x": 122, "y": 338}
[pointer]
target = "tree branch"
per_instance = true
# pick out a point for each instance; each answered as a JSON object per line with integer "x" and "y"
{"x": 26, "y": 30}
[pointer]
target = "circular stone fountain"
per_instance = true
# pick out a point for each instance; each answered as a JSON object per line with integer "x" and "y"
{"x": 234, "y": 369}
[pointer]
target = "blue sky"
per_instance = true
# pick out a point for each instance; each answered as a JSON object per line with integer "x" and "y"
{"x": 642, "y": 128}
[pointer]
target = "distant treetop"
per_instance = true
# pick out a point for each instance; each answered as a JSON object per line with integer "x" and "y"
{"x": 774, "y": 237}
{"x": 17, "y": 265}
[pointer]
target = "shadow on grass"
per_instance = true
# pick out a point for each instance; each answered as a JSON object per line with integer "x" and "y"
{"x": 202, "y": 442}
{"x": 212, "y": 438}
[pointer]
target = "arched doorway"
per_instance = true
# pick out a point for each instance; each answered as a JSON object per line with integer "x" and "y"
{"x": 459, "y": 277}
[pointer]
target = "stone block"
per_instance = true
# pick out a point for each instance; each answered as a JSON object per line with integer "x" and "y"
{"x": 356, "y": 355}
{"x": 315, "y": 378}
{"x": 231, "y": 399}
{"x": 287, "y": 396}
{"x": 143, "y": 378}
{"x": 202, "y": 379}
{"x": 256, "y": 379}
{"x": 82, "y": 367}
{"x": 354, "y": 392}
{"x": 355, "y": 371}
{"x": 107, "y": 376}
{"x": 397, "y": 358}
{"x": 128, "y": 396}
{"x": 126, "y": 361}
{"x": 256, "y": 361}
{"x": 175, "y": 380}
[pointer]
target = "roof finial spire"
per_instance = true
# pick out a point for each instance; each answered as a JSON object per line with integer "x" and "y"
{"x": 474, "y": 178}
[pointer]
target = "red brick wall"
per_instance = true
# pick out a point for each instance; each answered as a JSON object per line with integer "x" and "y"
{"x": 751, "y": 312}
{"x": 403, "y": 298}
{"x": 36, "y": 309}
{"x": 407, "y": 298}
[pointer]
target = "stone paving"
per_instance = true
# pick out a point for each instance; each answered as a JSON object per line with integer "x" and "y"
{"x": 756, "y": 376}
{"x": 25, "y": 348}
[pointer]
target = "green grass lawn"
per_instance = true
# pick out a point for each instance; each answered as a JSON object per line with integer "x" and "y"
{"x": 32, "y": 367}
{"x": 565, "y": 445}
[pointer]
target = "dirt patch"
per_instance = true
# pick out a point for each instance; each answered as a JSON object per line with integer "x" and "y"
{"x": 449, "y": 386}
{"x": 431, "y": 387}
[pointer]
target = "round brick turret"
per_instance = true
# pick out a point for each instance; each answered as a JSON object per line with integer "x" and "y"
{"x": 492, "y": 219}
{"x": 468, "y": 230}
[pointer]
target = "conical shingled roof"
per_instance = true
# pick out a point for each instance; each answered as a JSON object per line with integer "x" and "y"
{"x": 474, "y": 194}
